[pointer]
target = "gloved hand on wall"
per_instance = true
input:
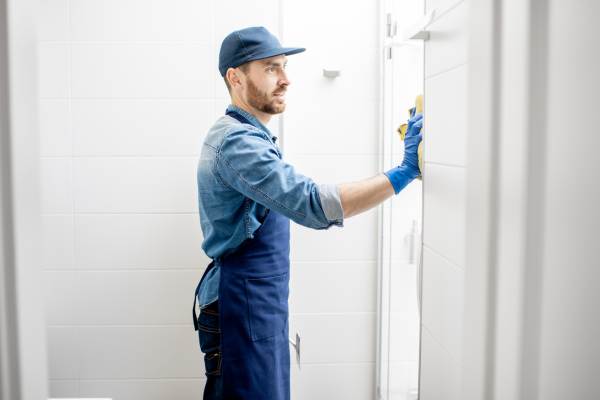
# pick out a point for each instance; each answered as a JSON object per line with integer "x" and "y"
{"x": 403, "y": 174}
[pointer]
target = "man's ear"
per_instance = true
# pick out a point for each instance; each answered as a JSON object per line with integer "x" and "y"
{"x": 233, "y": 77}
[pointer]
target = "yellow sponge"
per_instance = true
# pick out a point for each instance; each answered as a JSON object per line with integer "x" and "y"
{"x": 418, "y": 108}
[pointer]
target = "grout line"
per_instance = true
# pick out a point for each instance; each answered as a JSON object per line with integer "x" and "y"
{"x": 72, "y": 134}
{"x": 305, "y": 314}
{"x": 314, "y": 263}
{"x": 191, "y": 43}
{"x": 329, "y": 364}
{"x": 134, "y": 157}
{"x": 131, "y": 98}
{"x": 334, "y": 261}
{"x": 126, "y": 379}
{"x": 182, "y": 325}
{"x": 89, "y": 213}
{"x": 127, "y": 269}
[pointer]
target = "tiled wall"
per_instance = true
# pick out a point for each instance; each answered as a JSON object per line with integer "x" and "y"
{"x": 127, "y": 91}
{"x": 444, "y": 201}
{"x": 331, "y": 134}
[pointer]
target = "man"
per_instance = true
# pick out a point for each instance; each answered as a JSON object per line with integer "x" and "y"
{"x": 247, "y": 196}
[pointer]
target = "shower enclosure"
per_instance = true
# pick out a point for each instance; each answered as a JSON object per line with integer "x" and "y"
{"x": 400, "y": 220}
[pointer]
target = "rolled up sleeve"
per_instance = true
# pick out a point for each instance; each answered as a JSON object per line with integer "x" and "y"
{"x": 249, "y": 162}
{"x": 331, "y": 203}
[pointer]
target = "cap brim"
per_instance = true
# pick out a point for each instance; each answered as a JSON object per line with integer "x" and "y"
{"x": 287, "y": 51}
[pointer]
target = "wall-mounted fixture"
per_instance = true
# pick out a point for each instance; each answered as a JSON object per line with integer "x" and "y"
{"x": 419, "y": 30}
{"x": 331, "y": 73}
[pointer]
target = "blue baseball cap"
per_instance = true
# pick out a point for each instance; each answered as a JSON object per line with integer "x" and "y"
{"x": 250, "y": 44}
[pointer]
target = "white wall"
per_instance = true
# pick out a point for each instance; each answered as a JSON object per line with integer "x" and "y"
{"x": 331, "y": 134}
{"x": 444, "y": 200}
{"x": 127, "y": 91}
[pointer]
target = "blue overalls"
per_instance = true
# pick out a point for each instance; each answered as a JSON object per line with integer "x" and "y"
{"x": 253, "y": 313}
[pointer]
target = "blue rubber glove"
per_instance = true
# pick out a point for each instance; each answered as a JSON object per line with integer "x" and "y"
{"x": 403, "y": 174}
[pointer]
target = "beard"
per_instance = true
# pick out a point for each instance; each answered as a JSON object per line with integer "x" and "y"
{"x": 262, "y": 101}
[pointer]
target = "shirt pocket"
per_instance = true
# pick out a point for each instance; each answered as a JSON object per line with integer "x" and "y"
{"x": 267, "y": 305}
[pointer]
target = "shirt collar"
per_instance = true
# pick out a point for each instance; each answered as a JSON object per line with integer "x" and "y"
{"x": 251, "y": 118}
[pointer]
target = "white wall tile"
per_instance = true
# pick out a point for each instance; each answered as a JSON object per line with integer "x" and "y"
{"x": 221, "y": 92}
{"x": 444, "y": 217}
{"x": 63, "y": 388}
{"x": 333, "y": 381}
{"x": 325, "y": 127}
{"x": 63, "y": 352}
{"x": 55, "y": 128}
{"x": 229, "y": 17}
{"x": 53, "y": 67}
{"x": 151, "y": 389}
{"x": 443, "y": 291}
{"x": 144, "y": 241}
{"x": 358, "y": 80}
{"x": 135, "y": 184}
{"x": 142, "y": 20}
{"x": 140, "y": 127}
{"x": 445, "y": 127}
{"x": 137, "y": 297}
{"x": 334, "y": 26}
{"x": 333, "y": 287}
{"x": 440, "y": 373}
{"x": 57, "y": 241}
{"x": 152, "y": 89}
{"x": 220, "y": 106}
{"x": 63, "y": 297}
{"x": 356, "y": 241}
{"x": 53, "y": 20}
{"x": 337, "y": 123}
{"x": 142, "y": 70}
{"x": 57, "y": 187}
{"x": 447, "y": 45}
{"x": 335, "y": 338}
{"x": 332, "y": 168}
{"x": 140, "y": 352}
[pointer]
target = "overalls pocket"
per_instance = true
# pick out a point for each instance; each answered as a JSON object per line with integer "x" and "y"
{"x": 267, "y": 305}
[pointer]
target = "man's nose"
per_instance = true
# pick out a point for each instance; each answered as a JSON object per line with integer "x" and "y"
{"x": 283, "y": 79}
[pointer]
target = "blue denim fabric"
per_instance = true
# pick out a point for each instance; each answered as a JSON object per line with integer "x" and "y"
{"x": 209, "y": 336}
{"x": 241, "y": 174}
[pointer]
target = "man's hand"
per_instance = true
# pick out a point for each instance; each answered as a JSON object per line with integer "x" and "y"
{"x": 409, "y": 169}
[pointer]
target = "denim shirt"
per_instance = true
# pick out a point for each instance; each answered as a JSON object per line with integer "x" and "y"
{"x": 241, "y": 175}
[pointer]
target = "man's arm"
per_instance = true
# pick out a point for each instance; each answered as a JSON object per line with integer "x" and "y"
{"x": 358, "y": 197}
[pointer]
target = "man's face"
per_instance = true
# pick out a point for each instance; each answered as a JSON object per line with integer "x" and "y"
{"x": 266, "y": 84}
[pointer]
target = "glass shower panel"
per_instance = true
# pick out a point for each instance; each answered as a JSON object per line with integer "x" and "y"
{"x": 399, "y": 310}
